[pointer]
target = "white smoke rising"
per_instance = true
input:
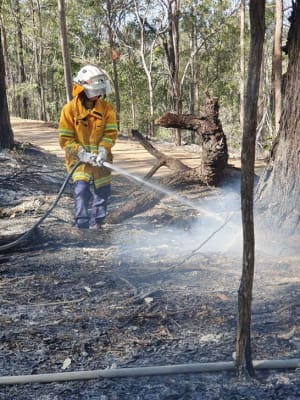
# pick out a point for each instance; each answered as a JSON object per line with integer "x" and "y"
{"x": 215, "y": 227}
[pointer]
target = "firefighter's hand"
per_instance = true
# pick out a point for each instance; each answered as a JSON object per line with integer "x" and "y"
{"x": 87, "y": 157}
{"x": 102, "y": 155}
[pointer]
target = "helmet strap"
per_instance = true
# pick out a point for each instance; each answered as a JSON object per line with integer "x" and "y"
{"x": 85, "y": 101}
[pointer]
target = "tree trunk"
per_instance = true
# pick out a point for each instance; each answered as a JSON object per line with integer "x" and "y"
{"x": 6, "y": 133}
{"x": 111, "y": 30}
{"x": 65, "y": 48}
{"x": 242, "y": 63}
{"x": 243, "y": 342}
{"x": 174, "y": 37}
{"x": 38, "y": 50}
{"x": 147, "y": 67}
{"x": 278, "y": 191}
{"x": 21, "y": 98}
{"x": 209, "y": 172}
{"x": 277, "y": 63}
{"x": 171, "y": 46}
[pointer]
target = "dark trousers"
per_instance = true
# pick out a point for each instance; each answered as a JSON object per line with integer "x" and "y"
{"x": 83, "y": 194}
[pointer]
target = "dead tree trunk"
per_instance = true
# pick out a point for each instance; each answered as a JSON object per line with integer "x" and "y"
{"x": 213, "y": 140}
{"x": 208, "y": 173}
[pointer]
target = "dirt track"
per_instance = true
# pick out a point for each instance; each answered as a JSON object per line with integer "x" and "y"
{"x": 128, "y": 154}
{"x": 142, "y": 293}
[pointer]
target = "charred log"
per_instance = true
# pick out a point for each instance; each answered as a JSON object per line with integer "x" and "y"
{"x": 209, "y": 129}
{"x": 162, "y": 159}
{"x": 143, "y": 201}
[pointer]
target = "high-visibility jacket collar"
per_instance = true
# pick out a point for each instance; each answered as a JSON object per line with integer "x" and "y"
{"x": 82, "y": 112}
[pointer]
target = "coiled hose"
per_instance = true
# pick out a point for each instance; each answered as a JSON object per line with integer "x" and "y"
{"x": 26, "y": 234}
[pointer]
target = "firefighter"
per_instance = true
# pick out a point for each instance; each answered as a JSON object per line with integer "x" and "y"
{"x": 87, "y": 132}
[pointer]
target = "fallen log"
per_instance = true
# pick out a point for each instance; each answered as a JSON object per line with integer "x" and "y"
{"x": 162, "y": 159}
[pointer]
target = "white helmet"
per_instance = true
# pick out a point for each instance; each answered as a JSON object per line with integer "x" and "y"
{"x": 93, "y": 80}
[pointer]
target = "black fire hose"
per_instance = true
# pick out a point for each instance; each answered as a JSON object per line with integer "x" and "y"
{"x": 26, "y": 234}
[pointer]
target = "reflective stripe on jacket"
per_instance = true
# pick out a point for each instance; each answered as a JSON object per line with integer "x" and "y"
{"x": 90, "y": 129}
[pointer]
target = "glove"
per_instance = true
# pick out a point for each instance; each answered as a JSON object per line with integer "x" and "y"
{"x": 87, "y": 157}
{"x": 102, "y": 155}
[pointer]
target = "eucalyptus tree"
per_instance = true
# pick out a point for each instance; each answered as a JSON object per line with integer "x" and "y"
{"x": 33, "y": 78}
{"x": 171, "y": 46}
{"x": 132, "y": 78}
{"x": 150, "y": 27}
{"x": 242, "y": 62}
{"x": 6, "y": 133}
{"x": 65, "y": 48}
{"x": 93, "y": 37}
{"x": 243, "y": 340}
{"x": 208, "y": 38}
{"x": 114, "y": 12}
{"x": 38, "y": 45}
{"x": 21, "y": 98}
{"x": 277, "y": 194}
{"x": 277, "y": 62}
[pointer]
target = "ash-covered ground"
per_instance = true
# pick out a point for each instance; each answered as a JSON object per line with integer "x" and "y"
{"x": 151, "y": 291}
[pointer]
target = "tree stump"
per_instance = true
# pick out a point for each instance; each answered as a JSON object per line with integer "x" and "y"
{"x": 213, "y": 141}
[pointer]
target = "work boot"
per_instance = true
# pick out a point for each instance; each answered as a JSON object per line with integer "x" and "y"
{"x": 96, "y": 226}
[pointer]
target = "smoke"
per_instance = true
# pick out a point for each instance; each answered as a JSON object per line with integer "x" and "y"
{"x": 185, "y": 227}
{"x": 182, "y": 228}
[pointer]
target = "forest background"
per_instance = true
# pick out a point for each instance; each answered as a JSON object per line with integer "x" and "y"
{"x": 159, "y": 56}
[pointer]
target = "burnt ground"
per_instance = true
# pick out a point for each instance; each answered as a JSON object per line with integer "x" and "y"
{"x": 146, "y": 292}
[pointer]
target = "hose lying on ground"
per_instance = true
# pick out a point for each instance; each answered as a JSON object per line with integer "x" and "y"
{"x": 26, "y": 234}
{"x": 145, "y": 371}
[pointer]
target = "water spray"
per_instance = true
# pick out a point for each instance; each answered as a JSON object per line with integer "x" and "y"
{"x": 151, "y": 185}
{"x": 221, "y": 220}
{"x": 163, "y": 190}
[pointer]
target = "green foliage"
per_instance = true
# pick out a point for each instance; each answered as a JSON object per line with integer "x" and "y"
{"x": 209, "y": 55}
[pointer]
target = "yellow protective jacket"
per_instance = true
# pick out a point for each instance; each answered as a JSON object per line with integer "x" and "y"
{"x": 90, "y": 129}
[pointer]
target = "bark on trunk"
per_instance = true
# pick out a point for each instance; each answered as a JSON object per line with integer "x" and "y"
{"x": 278, "y": 192}
{"x": 243, "y": 341}
{"x": 65, "y": 48}
{"x": 6, "y": 133}
{"x": 277, "y": 62}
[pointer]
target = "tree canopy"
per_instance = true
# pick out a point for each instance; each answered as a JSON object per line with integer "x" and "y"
{"x": 130, "y": 41}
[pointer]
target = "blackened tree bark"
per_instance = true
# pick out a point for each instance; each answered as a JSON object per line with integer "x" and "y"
{"x": 278, "y": 191}
{"x": 6, "y": 133}
{"x": 243, "y": 342}
{"x": 209, "y": 129}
